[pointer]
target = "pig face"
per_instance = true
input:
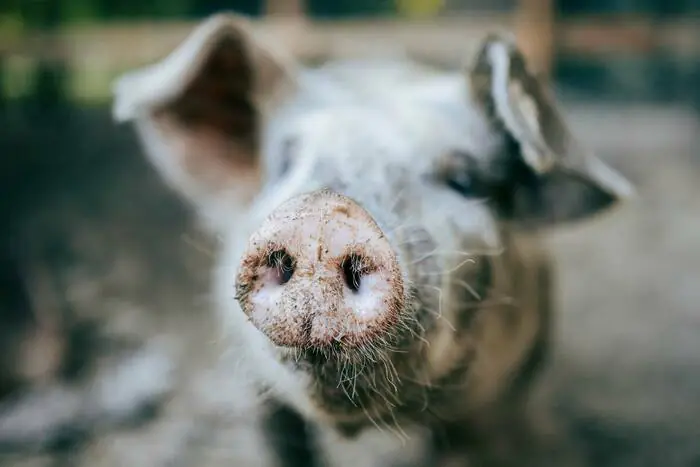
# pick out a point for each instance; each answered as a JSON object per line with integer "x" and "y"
{"x": 365, "y": 209}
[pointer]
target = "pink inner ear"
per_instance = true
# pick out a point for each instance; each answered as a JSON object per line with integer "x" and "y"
{"x": 218, "y": 99}
{"x": 208, "y": 160}
{"x": 212, "y": 125}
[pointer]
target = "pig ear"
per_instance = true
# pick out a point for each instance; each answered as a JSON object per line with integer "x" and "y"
{"x": 199, "y": 111}
{"x": 551, "y": 178}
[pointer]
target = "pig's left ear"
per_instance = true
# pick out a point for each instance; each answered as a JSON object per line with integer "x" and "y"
{"x": 550, "y": 179}
{"x": 200, "y": 110}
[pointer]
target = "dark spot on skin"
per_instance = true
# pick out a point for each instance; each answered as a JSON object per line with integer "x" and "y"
{"x": 341, "y": 210}
{"x": 290, "y": 436}
{"x": 316, "y": 356}
{"x": 537, "y": 357}
{"x": 350, "y": 430}
{"x": 287, "y": 152}
{"x": 81, "y": 338}
{"x": 67, "y": 439}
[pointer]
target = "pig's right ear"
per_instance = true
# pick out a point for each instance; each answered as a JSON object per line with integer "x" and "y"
{"x": 547, "y": 177}
{"x": 199, "y": 112}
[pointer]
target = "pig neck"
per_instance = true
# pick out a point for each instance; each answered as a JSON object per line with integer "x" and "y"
{"x": 507, "y": 340}
{"x": 510, "y": 338}
{"x": 498, "y": 356}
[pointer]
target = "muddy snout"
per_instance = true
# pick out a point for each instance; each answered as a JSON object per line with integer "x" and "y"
{"x": 320, "y": 272}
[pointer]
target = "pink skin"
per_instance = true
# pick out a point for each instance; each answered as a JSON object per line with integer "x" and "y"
{"x": 319, "y": 270}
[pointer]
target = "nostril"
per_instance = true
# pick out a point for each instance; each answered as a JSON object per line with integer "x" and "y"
{"x": 282, "y": 264}
{"x": 353, "y": 269}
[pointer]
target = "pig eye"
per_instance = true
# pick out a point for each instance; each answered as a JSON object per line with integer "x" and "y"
{"x": 461, "y": 182}
{"x": 457, "y": 171}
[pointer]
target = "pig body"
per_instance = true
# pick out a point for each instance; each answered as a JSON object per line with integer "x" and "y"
{"x": 380, "y": 266}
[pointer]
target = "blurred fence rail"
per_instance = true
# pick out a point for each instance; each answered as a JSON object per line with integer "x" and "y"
{"x": 444, "y": 39}
{"x": 94, "y": 53}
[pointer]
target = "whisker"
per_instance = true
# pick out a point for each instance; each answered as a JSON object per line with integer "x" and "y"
{"x": 397, "y": 199}
{"x": 197, "y": 246}
{"x": 471, "y": 254}
{"x": 404, "y": 438}
{"x": 449, "y": 271}
{"x": 405, "y": 224}
{"x": 439, "y": 313}
{"x": 468, "y": 287}
{"x": 369, "y": 417}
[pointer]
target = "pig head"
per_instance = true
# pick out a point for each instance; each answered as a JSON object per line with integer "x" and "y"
{"x": 378, "y": 221}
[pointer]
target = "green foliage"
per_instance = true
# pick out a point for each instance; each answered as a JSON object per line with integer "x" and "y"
{"x": 43, "y": 13}
{"x": 339, "y": 9}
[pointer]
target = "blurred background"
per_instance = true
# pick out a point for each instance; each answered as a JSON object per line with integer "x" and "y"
{"x": 98, "y": 258}
{"x": 648, "y": 50}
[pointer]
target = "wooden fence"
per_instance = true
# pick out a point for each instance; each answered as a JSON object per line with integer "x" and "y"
{"x": 96, "y": 53}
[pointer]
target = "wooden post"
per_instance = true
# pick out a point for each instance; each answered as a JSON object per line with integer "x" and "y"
{"x": 534, "y": 26}
{"x": 286, "y": 8}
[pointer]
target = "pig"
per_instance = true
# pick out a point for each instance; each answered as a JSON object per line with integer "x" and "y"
{"x": 380, "y": 268}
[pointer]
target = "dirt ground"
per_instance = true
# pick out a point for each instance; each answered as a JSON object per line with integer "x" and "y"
{"x": 629, "y": 352}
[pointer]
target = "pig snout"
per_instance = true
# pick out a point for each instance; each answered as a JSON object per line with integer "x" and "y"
{"x": 320, "y": 272}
